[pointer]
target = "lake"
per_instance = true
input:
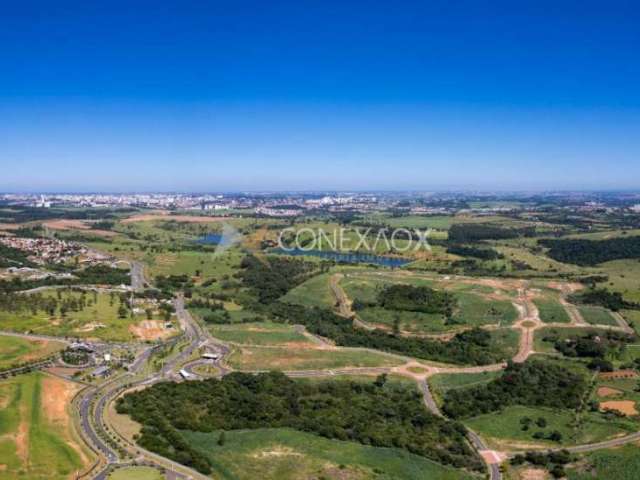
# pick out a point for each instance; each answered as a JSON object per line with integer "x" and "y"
{"x": 210, "y": 239}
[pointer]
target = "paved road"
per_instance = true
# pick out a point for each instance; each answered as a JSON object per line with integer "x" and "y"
{"x": 480, "y": 446}
{"x": 92, "y": 419}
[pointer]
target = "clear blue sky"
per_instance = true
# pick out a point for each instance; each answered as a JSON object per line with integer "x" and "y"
{"x": 230, "y": 95}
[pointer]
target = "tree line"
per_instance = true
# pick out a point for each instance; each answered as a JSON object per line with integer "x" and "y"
{"x": 474, "y": 347}
{"x": 592, "y": 252}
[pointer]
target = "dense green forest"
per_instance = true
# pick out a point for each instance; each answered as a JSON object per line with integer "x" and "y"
{"x": 470, "y": 347}
{"x": 592, "y": 252}
{"x": 480, "y": 253}
{"x": 376, "y": 413}
{"x": 473, "y": 232}
{"x": 269, "y": 278}
{"x": 416, "y": 299}
{"x": 604, "y": 298}
{"x": 533, "y": 383}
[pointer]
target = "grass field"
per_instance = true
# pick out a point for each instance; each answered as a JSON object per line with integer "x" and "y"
{"x": 596, "y": 315}
{"x": 263, "y": 333}
{"x": 473, "y": 308}
{"x": 99, "y": 320}
{"x": 136, "y": 473}
{"x": 551, "y": 310}
{"x": 36, "y": 436}
{"x": 624, "y": 277}
{"x": 620, "y": 464}
{"x": 315, "y": 292}
{"x": 15, "y": 351}
{"x": 282, "y": 358}
{"x": 285, "y": 454}
{"x": 504, "y": 428}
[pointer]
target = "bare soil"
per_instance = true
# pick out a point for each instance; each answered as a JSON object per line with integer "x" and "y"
{"x": 608, "y": 392}
{"x": 150, "y": 330}
{"x": 626, "y": 407}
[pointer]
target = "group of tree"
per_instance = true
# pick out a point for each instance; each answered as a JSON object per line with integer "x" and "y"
{"x": 62, "y": 303}
{"x": 13, "y": 257}
{"x": 554, "y": 462}
{"x": 592, "y": 252}
{"x": 475, "y": 252}
{"x": 172, "y": 283}
{"x": 592, "y": 344}
{"x": 416, "y": 299}
{"x": 604, "y": 298}
{"x": 377, "y": 413}
{"x": 102, "y": 275}
{"x": 473, "y": 232}
{"x": 270, "y": 277}
{"x": 472, "y": 347}
{"x": 533, "y": 383}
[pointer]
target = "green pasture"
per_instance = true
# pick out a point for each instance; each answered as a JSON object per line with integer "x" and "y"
{"x": 285, "y": 454}
{"x": 304, "y": 358}
{"x": 46, "y": 444}
{"x": 263, "y": 333}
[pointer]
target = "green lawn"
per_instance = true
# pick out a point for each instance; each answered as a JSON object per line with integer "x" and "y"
{"x": 505, "y": 340}
{"x": 475, "y": 310}
{"x": 281, "y": 358}
{"x": 503, "y": 427}
{"x": 15, "y": 351}
{"x": 315, "y": 292}
{"x": 596, "y": 315}
{"x": 136, "y": 473}
{"x": 47, "y": 453}
{"x": 263, "y": 333}
{"x": 616, "y": 464}
{"x": 285, "y": 454}
{"x": 551, "y": 311}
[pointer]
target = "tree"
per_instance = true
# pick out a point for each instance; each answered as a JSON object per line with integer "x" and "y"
{"x": 555, "y": 436}
{"x": 222, "y": 438}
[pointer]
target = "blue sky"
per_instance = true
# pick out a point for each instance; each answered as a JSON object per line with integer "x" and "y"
{"x": 220, "y": 96}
